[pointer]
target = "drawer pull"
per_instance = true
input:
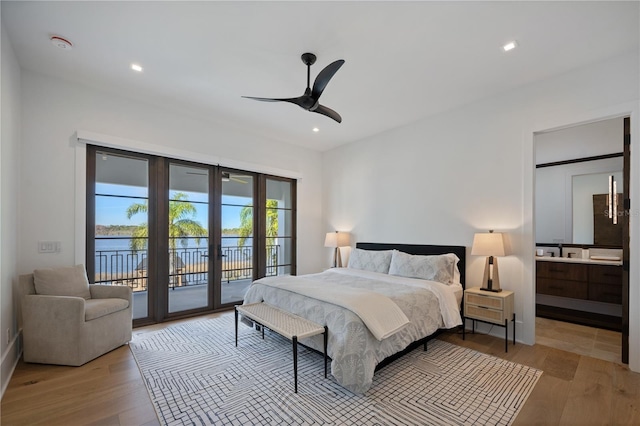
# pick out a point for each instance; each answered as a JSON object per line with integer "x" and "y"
{"x": 610, "y": 275}
{"x": 555, "y": 287}
{"x": 556, "y": 270}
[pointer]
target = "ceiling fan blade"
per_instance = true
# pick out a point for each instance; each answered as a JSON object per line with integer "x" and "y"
{"x": 265, "y": 99}
{"x": 328, "y": 112}
{"x": 324, "y": 77}
{"x": 298, "y": 101}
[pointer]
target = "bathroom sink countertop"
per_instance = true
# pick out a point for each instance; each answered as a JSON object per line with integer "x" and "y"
{"x": 579, "y": 260}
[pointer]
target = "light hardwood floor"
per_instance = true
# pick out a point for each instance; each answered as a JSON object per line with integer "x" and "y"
{"x": 575, "y": 389}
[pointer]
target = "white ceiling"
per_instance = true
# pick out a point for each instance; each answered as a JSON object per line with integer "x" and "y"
{"x": 404, "y": 60}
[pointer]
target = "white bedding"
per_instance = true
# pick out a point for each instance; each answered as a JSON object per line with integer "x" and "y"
{"x": 380, "y": 314}
{"x": 354, "y": 350}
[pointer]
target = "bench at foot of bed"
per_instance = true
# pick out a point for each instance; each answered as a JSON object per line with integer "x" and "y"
{"x": 285, "y": 324}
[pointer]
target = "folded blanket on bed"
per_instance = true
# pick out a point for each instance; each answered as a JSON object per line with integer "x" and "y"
{"x": 379, "y": 313}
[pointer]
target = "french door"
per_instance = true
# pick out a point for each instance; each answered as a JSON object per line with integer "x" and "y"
{"x": 188, "y": 238}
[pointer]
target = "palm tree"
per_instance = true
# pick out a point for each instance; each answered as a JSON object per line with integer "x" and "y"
{"x": 246, "y": 227}
{"x": 181, "y": 223}
{"x": 246, "y": 223}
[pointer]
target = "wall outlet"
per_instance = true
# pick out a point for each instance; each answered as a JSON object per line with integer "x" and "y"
{"x": 8, "y": 336}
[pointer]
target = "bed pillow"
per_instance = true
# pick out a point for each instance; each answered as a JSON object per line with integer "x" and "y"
{"x": 70, "y": 281}
{"x": 370, "y": 260}
{"x": 440, "y": 268}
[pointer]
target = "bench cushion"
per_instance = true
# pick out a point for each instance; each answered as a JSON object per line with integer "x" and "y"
{"x": 282, "y": 322}
{"x": 96, "y": 308}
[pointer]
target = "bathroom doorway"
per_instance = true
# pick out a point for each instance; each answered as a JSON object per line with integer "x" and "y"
{"x": 581, "y": 276}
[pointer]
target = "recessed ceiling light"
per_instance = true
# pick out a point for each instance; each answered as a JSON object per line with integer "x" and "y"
{"x": 61, "y": 43}
{"x": 136, "y": 67}
{"x": 315, "y": 129}
{"x": 510, "y": 46}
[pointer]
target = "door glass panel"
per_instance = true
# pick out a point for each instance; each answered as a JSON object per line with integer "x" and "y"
{"x": 279, "y": 226}
{"x": 188, "y": 257}
{"x": 237, "y": 236}
{"x": 121, "y": 231}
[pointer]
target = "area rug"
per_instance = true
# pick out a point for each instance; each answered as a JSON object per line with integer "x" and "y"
{"x": 196, "y": 376}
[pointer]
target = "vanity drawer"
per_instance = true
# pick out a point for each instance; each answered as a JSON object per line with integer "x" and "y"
{"x": 607, "y": 293}
{"x": 562, "y": 271}
{"x": 605, "y": 274}
{"x": 554, "y": 287}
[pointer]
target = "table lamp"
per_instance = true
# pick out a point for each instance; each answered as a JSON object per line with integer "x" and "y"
{"x": 336, "y": 240}
{"x": 489, "y": 244}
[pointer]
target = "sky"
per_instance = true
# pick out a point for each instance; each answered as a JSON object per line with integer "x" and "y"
{"x": 112, "y": 210}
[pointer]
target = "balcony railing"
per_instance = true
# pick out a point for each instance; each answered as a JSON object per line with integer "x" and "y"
{"x": 187, "y": 266}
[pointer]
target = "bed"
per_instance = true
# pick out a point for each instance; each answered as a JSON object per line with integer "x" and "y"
{"x": 396, "y": 312}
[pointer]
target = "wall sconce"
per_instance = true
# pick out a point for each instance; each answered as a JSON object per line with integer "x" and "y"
{"x": 612, "y": 200}
{"x": 489, "y": 244}
{"x": 336, "y": 240}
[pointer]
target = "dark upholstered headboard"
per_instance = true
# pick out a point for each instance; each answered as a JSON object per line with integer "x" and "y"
{"x": 421, "y": 249}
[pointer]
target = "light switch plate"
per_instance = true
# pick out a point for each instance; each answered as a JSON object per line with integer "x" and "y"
{"x": 49, "y": 246}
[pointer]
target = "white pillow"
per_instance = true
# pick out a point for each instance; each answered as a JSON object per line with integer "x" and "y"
{"x": 70, "y": 281}
{"x": 370, "y": 260}
{"x": 441, "y": 268}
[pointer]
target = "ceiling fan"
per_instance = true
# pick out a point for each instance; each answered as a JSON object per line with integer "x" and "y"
{"x": 226, "y": 177}
{"x": 310, "y": 99}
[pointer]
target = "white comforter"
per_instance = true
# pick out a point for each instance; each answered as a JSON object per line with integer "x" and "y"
{"x": 354, "y": 350}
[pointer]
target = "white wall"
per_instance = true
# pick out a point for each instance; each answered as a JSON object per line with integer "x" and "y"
{"x": 587, "y": 140}
{"x": 444, "y": 178}
{"x": 9, "y": 190}
{"x": 54, "y": 109}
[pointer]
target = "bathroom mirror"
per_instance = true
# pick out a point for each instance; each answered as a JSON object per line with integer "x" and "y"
{"x": 565, "y": 201}
{"x": 591, "y": 223}
{"x": 572, "y": 165}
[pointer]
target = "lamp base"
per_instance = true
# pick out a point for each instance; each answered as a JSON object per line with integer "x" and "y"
{"x": 491, "y": 279}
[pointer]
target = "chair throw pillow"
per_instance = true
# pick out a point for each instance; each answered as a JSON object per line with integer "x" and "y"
{"x": 69, "y": 281}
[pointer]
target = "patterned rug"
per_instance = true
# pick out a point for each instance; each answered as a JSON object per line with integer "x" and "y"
{"x": 196, "y": 376}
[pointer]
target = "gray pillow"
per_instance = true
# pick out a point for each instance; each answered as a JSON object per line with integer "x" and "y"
{"x": 440, "y": 268}
{"x": 370, "y": 260}
{"x": 69, "y": 281}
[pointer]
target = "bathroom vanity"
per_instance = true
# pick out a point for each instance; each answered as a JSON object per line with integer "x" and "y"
{"x": 581, "y": 290}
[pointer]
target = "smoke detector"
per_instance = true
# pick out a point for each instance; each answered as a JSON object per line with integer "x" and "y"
{"x": 61, "y": 43}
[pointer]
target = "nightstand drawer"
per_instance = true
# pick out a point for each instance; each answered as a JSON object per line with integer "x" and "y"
{"x": 485, "y": 314}
{"x": 485, "y": 301}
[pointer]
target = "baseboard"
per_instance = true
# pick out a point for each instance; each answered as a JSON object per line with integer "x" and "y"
{"x": 10, "y": 360}
{"x": 579, "y": 317}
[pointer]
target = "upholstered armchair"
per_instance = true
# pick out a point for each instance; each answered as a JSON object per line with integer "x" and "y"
{"x": 67, "y": 321}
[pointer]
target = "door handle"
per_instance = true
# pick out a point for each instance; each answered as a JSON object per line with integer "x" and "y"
{"x": 220, "y": 255}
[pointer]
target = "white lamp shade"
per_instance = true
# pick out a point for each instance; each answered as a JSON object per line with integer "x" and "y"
{"x": 488, "y": 244}
{"x": 337, "y": 239}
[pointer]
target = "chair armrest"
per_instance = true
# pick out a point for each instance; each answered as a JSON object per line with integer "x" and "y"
{"x": 110, "y": 292}
{"x": 41, "y": 309}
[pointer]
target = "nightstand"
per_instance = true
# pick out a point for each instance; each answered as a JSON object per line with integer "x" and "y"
{"x": 492, "y": 308}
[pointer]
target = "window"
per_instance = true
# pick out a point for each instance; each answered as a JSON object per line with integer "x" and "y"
{"x": 186, "y": 237}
